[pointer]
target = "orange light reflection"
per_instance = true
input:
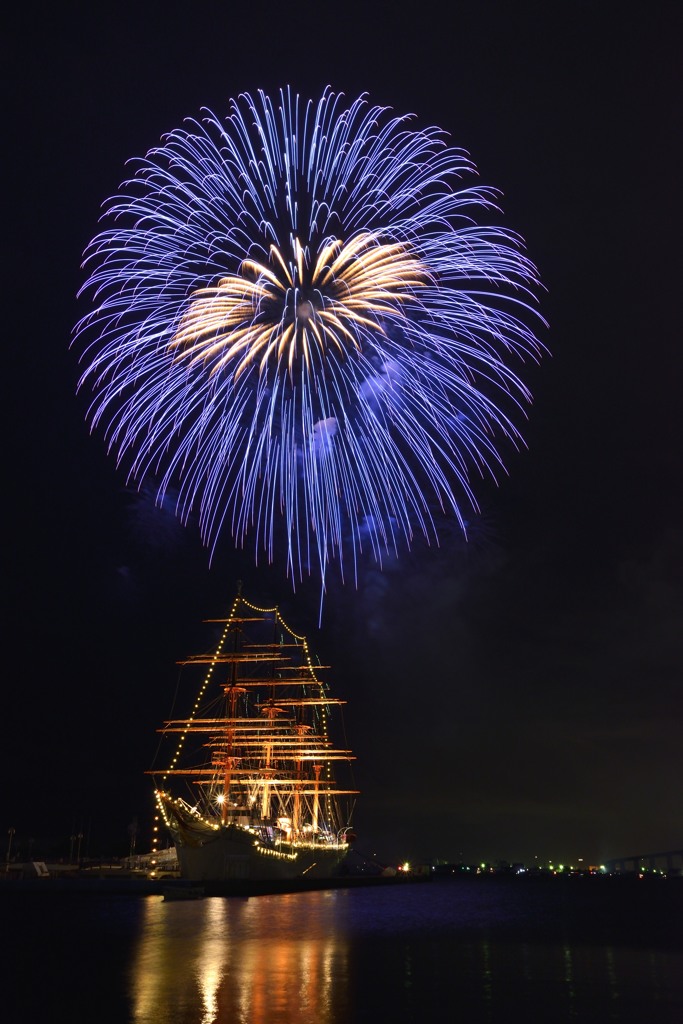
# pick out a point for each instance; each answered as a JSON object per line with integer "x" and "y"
{"x": 265, "y": 960}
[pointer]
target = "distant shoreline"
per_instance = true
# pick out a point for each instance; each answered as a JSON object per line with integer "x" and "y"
{"x": 115, "y": 882}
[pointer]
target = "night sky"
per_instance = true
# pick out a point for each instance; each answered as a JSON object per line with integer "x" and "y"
{"x": 516, "y": 696}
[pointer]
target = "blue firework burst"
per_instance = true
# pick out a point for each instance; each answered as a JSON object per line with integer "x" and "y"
{"x": 302, "y": 323}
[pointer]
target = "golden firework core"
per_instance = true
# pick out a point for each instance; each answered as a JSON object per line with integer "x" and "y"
{"x": 303, "y": 306}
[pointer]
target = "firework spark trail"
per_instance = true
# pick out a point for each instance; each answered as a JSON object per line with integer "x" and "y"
{"x": 298, "y": 321}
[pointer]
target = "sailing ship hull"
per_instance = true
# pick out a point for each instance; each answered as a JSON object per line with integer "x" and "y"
{"x": 223, "y": 853}
{"x": 232, "y": 854}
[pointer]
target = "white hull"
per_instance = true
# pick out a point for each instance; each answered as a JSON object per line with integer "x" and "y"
{"x": 234, "y": 854}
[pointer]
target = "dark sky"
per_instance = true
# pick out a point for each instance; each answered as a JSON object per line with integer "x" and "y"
{"x": 516, "y": 697}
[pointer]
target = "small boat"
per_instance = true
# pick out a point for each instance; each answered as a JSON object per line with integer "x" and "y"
{"x": 255, "y": 759}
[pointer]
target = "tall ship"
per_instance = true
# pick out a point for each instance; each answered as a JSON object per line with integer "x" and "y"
{"x": 249, "y": 786}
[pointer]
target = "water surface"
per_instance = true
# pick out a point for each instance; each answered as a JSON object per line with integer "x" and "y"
{"x": 446, "y": 950}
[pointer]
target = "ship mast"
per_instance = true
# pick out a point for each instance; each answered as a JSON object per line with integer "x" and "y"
{"x": 268, "y": 754}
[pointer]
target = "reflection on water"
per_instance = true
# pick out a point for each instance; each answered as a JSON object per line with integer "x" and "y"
{"x": 401, "y": 955}
{"x": 259, "y": 961}
{"x": 434, "y": 953}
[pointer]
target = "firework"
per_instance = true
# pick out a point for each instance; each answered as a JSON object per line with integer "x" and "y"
{"x": 302, "y": 323}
